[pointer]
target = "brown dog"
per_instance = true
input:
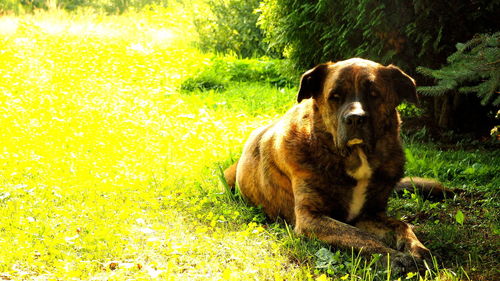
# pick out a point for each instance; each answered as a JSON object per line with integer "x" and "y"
{"x": 329, "y": 165}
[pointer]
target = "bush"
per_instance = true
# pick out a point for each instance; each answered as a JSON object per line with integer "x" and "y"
{"x": 408, "y": 110}
{"x": 109, "y": 6}
{"x": 313, "y": 32}
{"x": 259, "y": 71}
{"x": 9, "y": 5}
{"x": 208, "y": 79}
{"x": 222, "y": 71}
{"x": 120, "y": 6}
{"x": 231, "y": 28}
{"x": 406, "y": 33}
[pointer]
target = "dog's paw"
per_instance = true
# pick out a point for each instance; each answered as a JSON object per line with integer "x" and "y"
{"x": 415, "y": 249}
{"x": 401, "y": 263}
{"x": 421, "y": 252}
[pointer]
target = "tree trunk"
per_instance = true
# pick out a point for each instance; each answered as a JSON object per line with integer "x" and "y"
{"x": 462, "y": 113}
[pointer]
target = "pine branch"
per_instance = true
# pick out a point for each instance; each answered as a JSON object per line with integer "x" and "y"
{"x": 473, "y": 68}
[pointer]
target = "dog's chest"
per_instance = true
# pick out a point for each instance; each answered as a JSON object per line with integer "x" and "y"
{"x": 362, "y": 174}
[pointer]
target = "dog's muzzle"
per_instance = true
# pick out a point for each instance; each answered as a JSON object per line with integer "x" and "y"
{"x": 355, "y": 122}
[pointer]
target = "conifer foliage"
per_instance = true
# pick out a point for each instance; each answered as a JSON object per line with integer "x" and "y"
{"x": 473, "y": 68}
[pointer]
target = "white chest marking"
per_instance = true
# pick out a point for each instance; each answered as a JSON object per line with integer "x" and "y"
{"x": 362, "y": 174}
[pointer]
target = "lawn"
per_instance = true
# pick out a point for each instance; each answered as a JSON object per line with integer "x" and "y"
{"x": 110, "y": 165}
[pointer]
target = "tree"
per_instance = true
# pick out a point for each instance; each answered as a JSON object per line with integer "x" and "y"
{"x": 474, "y": 70}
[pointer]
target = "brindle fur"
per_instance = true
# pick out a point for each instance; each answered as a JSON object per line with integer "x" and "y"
{"x": 300, "y": 167}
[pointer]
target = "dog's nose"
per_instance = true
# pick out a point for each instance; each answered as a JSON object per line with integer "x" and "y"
{"x": 355, "y": 119}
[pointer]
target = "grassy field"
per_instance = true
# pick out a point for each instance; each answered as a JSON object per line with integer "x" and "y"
{"x": 109, "y": 171}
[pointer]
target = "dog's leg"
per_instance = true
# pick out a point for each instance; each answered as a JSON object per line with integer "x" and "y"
{"x": 338, "y": 233}
{"x": 395, "y": 233}
{"x": 342, "y": 235}
{"x": 311, "y": 222}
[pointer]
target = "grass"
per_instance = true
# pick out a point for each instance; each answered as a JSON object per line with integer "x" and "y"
{"x": 109, "y": 172}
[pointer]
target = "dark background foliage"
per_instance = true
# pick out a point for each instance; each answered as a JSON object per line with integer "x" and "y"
{"x": 405, "y": 33}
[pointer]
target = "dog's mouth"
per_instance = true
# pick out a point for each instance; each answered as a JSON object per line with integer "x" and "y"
{"x": 347, "y": 143}
{"x": 356, "y": 143}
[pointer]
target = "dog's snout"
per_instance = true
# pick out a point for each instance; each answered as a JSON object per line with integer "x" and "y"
{"x": 355, "y": 119}
{"x": 356, "y": 116}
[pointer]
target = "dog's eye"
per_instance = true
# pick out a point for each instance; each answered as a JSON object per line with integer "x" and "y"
{"x": 334, "y": 97}
{"x": 370, "y": 88}
{"x": 374, "y": 93}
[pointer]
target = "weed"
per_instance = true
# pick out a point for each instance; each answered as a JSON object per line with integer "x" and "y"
{"x": 407, "y": 110}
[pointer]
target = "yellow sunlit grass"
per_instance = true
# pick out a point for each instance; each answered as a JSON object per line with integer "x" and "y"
{"x": 100, "y": 156}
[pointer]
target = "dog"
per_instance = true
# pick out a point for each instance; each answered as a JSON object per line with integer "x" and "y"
{"x": 329, "y": 165}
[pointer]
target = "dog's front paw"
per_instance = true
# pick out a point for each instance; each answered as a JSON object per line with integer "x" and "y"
{"x": 421, "y": 252}
{"x": 401, "y": 263}
{"x": 415, "y": 248}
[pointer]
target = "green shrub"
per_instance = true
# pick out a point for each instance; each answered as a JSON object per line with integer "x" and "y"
{"x": 313, "y": 32}
{"x": 231, "y": 27}
{"x": 208, "y": 79}
{"x": 120, "y": 6}
{"x": 406, "y": 33}
{"x": 407, "y": 110}
{"x": 268, "y": 71}
{"x": 222, "y": 71}
{"x": 9, "y": 5}
{"x": 109, "y": 6}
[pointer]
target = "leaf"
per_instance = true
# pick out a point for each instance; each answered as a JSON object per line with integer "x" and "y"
{"x": 409, "y": 156}
{"x": 322, "y": 277}
{"x": 459, "y": 217}
{"x": 324, "y": 254}
{"x": 470, "y": 171}
{"x": 410, "y": 275}
{"x": 326, "y": 258}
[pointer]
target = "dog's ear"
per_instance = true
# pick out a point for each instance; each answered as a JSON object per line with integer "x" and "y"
{"x": 311, "y": 82}
{"x": 403, "y": 85}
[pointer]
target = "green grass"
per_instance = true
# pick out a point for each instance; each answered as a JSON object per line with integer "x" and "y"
{"x": 109, "y": 171}
{"x": 473, "y": 243}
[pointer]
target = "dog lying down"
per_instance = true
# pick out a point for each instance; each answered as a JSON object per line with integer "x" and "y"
{"x": 330, "y": 163}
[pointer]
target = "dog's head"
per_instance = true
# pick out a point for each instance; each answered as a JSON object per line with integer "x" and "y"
{"x": 356, "y": 99}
